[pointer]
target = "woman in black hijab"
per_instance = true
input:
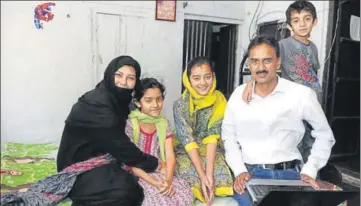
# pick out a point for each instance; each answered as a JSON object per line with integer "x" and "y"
{"x": 94, "y": 148}
{"x": 96, "y": 126}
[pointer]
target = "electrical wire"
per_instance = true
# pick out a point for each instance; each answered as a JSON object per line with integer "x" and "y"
{"x": 259, "y": 13}
{"x": 334, "y": 36}
{"x": 250, "y": 25}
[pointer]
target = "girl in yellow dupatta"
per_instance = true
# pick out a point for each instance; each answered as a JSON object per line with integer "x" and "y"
{"x": 152, "y": 134}
{"x": 198, "y": 116}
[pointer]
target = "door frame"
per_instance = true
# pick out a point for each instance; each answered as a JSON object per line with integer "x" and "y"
{"x": 109, "y": 9}
{"x": 329, "y": 78}
{"x": 223, "y": 20}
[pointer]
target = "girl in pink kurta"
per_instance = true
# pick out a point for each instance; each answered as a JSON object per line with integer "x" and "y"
{"x": 152, "y": 134}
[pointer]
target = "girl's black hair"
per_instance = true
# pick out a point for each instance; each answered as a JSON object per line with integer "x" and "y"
{"x": 197, "y": 61}
{"x": 147, "y": 83}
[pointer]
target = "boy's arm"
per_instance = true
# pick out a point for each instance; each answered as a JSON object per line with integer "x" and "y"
{"x": 247, "y": 92}
{"x": 282, "y": 55}
{"x": 317, "y": 66}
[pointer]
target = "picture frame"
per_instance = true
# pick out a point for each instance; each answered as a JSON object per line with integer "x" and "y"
{"x": 165, "y": 10}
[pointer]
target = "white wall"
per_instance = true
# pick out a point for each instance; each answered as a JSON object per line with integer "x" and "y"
{"x": 215, "y": 11}
{"x": 44, "y": 72}
{"x": 275, "y": 10}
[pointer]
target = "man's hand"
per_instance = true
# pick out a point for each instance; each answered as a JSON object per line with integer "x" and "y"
{"x": 247, "y": 92}
{"x": 239, "y": 182}
{"x": 310, "y": 181}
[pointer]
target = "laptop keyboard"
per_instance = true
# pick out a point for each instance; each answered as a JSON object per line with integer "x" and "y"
{"x": 262, "y": 190}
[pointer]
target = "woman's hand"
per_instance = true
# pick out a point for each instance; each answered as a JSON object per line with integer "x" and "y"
{"x": 206, "y": 187}
{"x": 170, "y": 189}
{"x": 161, "y": 186}
{"x": 210, "y": 178}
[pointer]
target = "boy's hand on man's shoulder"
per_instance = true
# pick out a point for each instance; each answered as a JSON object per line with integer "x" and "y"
{"x": 247, "y": 92}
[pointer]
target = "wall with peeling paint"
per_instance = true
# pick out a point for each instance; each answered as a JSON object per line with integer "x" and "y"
{"x": 43, "y": 72}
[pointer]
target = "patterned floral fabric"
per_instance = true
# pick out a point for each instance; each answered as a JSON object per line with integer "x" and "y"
{"x": 195, "y": 128}
{"x": 55, "y": 188}
{"x": 148, "y": 143}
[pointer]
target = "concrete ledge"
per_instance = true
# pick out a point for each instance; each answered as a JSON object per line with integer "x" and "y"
{"x": 219, "y": 201}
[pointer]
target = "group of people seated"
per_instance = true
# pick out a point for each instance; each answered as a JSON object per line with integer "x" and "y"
{"x": 117, "y": 149}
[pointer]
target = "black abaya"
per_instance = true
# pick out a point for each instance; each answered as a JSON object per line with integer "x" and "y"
{"x": 96, "y": 126}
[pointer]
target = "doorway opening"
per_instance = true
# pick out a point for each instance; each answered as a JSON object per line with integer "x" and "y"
{"x": 216, "y": 41}
{"x": 341, "y": 85}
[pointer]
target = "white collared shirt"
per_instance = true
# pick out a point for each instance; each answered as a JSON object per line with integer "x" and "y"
{"x": 268, "y": 129}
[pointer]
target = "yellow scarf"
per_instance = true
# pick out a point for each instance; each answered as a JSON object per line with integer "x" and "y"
{"x": 197, "y": 102}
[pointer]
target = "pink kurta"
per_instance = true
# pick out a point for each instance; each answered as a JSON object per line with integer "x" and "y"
{"x": 149, "y": 144}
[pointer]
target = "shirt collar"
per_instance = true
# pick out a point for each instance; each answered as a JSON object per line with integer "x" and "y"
{"x": 280, "y": 87}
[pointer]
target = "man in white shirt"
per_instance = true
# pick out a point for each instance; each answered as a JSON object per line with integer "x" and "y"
{"x": 261, "y": 138}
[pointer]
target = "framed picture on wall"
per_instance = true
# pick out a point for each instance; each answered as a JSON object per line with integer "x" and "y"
{"x": 165, "y": 10}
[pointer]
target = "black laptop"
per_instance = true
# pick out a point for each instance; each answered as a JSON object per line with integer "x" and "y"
{"x": 307, "y": 198}
{"x": 271, "y": 192}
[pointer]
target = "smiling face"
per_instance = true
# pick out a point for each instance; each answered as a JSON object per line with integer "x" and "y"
{"x": 125, "y": 77}
{"x": 263, "y": 62}
{"x": 152, "y": 102}
{"x": 201, "y": 78}
{"x": 302, "y": 23}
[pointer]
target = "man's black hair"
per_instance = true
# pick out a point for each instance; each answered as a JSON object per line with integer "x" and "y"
{"x": 264, "y": 39}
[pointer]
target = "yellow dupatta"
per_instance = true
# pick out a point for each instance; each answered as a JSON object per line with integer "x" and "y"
{"x": 197, "y": 102}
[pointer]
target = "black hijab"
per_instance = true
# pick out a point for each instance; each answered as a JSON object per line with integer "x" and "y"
{"x": 107, "y": 105}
